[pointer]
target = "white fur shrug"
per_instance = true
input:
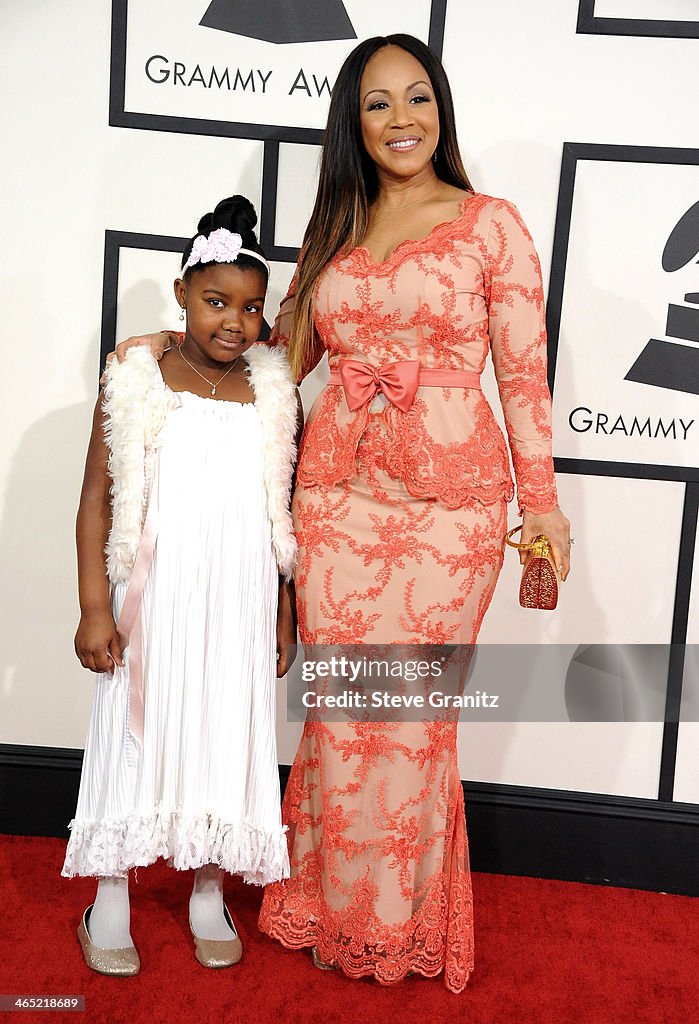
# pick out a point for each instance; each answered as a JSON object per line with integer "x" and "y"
{"x": 136, "y": 404}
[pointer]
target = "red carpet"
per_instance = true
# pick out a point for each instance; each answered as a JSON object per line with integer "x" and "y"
{"x": 546, "y": 953}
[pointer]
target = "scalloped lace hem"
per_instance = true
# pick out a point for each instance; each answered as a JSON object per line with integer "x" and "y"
{"x": 367, "y": 961}
{"x": 113, "y": 846}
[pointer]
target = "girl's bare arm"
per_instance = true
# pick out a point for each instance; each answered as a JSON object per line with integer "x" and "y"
{"x": 96, "y": 639}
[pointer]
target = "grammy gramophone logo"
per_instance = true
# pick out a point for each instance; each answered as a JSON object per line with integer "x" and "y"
{"x": 288, "y": 21}
{"x": 675, "y": 364}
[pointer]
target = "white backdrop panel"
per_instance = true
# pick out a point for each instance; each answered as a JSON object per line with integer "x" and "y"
{"x": 165, "y": 185}
{"x": 596, "y": 605}
{"x": 615, "y": 299}
{"x": 146, "y": 301}
{"x": 263, "y": 84}
{"x": 279, "y": 280}
{"x": 524, "y": 82}
{"x": 624, "y": 563}
{"x": 622, "y": 759}
{"x": 656, "y": 10}
{"x": 686, "y": 786}
{"x": 296, "y": 191}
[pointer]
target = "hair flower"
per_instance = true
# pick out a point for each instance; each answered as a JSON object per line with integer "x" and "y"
{"x": 221, "y": 246}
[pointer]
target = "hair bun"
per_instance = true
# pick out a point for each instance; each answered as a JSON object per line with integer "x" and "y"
{"x": 206, "y": 224}
{"x": 235, "y": 213}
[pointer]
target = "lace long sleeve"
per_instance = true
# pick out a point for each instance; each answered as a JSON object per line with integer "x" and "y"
{"x": 517, "y": 329}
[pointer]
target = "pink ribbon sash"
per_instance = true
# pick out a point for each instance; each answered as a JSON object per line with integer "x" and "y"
{"x": 129, "y": 626}
{"x": 398, "y": 380}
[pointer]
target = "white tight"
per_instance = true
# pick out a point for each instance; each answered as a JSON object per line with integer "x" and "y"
{"x": 110, "y": 921}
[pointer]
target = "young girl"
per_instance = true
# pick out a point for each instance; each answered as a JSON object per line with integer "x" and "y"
{"x": 185, "y": 545}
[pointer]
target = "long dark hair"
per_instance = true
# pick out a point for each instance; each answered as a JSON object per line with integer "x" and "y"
{"x": 348, "y": 183}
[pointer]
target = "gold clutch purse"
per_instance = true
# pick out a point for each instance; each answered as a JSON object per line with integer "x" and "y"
{"x": 539, "y": 585}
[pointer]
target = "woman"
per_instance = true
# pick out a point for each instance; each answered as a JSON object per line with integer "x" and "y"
{"x": 400, "y": 512}
{"x": 407, "y": 279}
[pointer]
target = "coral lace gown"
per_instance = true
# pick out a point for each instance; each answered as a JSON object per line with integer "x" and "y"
{"x": 400, "y": 517}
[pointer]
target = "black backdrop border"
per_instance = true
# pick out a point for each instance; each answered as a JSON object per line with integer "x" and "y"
{"x": 513, "y": 830}
{"x": 589, "y": 23}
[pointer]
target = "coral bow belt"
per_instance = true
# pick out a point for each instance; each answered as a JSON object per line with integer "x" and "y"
{"x": 398, "y": 381}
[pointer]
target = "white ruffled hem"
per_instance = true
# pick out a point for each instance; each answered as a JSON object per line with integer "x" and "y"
{"x": 113, "y": 846}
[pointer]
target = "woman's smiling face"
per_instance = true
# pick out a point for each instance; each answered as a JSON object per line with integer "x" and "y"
{"x": 398, "y": 113}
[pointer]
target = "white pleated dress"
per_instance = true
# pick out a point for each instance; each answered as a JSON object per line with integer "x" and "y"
{"x": 204, "y": 787}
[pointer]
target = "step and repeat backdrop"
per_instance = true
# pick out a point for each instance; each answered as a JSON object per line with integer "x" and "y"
{"x": 581, "y": 113}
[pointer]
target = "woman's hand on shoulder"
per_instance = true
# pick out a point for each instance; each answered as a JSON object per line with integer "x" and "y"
{"x": 557, "y": 528}
{"x": 97, "y": 642}
{"x": 159, "y": 343}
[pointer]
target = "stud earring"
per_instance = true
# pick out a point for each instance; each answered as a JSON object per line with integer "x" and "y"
{"x": 182, "y": 313}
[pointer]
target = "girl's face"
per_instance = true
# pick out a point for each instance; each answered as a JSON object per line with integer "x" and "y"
{"x": 224, "y": 311}
{"x": 398, "y": 113}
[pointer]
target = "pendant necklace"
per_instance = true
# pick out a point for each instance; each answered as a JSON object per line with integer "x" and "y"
{"x": 209, "y": 382}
